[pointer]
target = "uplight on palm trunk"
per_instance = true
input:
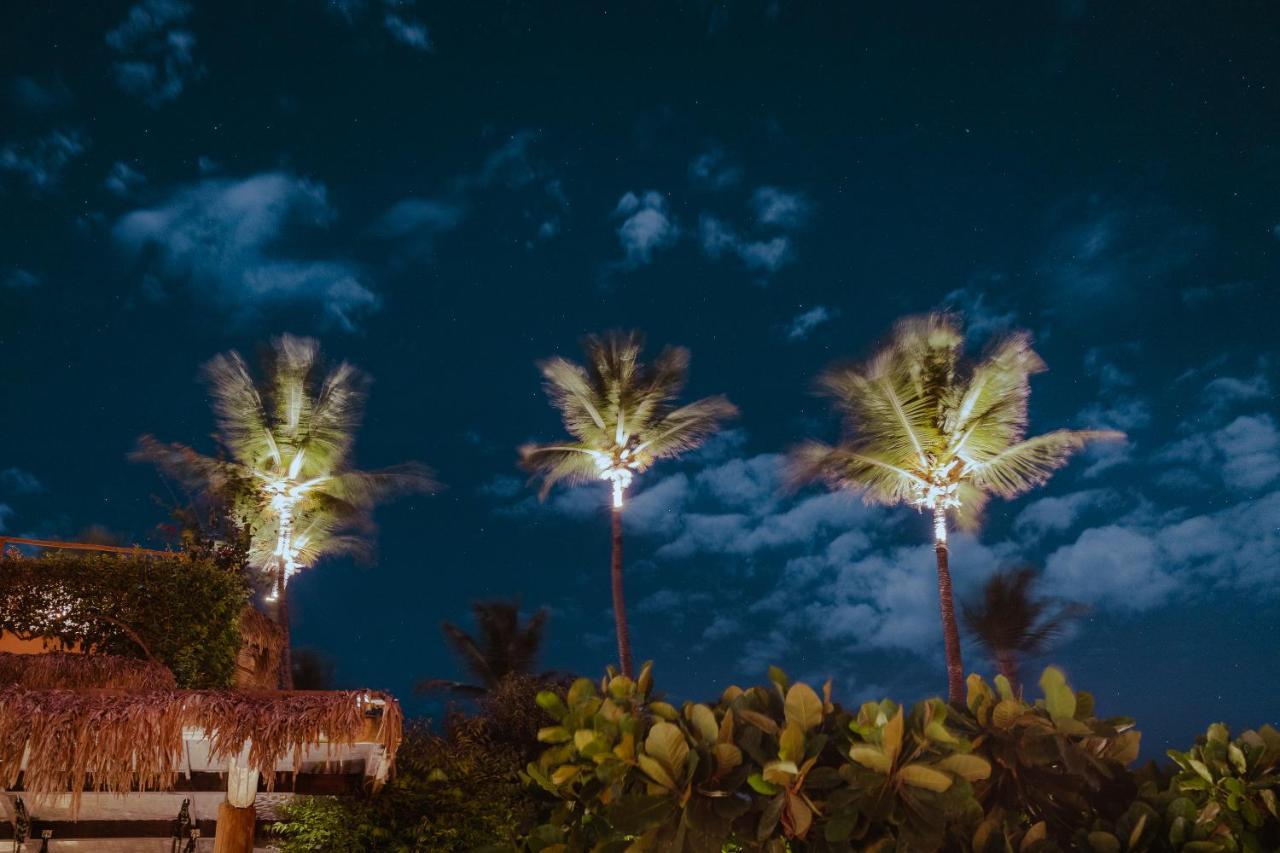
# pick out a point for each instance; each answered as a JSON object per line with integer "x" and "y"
{"x": 623, "y": 417}
{"x": 926, "y": 428}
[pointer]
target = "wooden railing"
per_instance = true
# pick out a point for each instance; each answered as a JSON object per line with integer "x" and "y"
{"x": 6, "y": 541}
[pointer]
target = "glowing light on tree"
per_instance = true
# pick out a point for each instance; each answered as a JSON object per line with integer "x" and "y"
{"x": 623, "y": 414}
{"x": 927, "y": 429}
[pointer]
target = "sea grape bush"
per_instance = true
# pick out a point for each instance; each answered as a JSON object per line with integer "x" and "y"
{"x": 780, "y": 767}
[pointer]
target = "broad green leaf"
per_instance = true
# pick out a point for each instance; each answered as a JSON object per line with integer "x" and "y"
{"x": 553, "y": 734}
{"x": 552, "y": 704}
{"x": 974, "y": 768}
{"x": 664, "y": 710}
{"x": 803, "y": 707}
{"x": 1038, "y": 832}
{"x": 1103, "y": 842}
{"x": 727, "y": 757}
{"x": 922, "y": 776}
{"x": 1003, "y": 687}
{"x": 780, "y": 772}
{"x": 565, "y": 773}
{"x": 636, "y": 814}
{"x": 1059, "y": 699}
{"x": 891, "y": 737}
{"x": 656, "y": 771}
{"x": 871, "y": 758}
{"x": 760, "y": 721}
{"x": 760, "y": 786}
{"x": 791, "y": 743}
{"x": 779, "y": 678}
{"x": 703, "y": 722}
{"x": 1203, "y": 771}
{"x": 666, "y": 744}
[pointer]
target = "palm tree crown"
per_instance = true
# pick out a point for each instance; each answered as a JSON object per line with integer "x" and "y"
{"x": 926, "y": 429}
{"x": 503, "y": 646}
{"x": 289, "y": 439}
{"x": 621, "y": 412}
{"x": 1010, "y": 621}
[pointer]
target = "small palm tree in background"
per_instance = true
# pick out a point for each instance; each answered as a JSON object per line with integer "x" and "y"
{"x": 926, "y": 428}
{"x": 623, "y": 417}
{"x": 503, "y": 647}
{"x": 1013, "y": 623}
{"x": 286, "y": 447}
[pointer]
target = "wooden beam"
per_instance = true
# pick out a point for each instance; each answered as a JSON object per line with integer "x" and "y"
{"x": 331, "y": 784}
{"x": 6, "y": 541}
{"x": 235, "y": 830}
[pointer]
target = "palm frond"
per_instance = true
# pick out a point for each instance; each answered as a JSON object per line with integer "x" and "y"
{"x": 1027, "y": 464}
{"x": 558, "y": 464}
{"x": 243, "y": 426}
{"x": 686, "y": 428}
{"x": 842, "y": 467}
{"x": 570, "y": 391}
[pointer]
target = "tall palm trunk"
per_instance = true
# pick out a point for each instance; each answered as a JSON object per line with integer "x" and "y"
{"x": 285, "y": 676}
{"x": 950, "y": 631}
{"x": 1007, "y": 665}
{"x": 619, "y": 600}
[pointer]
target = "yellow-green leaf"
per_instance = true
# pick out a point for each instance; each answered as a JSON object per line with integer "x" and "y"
{"x": 655, "y": 771}
{"x": 922, "y": 776}
{"x": 1059, "y": 699}
{"x": 1038, "y": 832}
{"x": 791, "y": 743}
{"x": 667, "y": 745}
{"x": 891, "y": 737}
{"x": 974, "y": 768}
{"x": 703, "y": 722}
{"x": 564, "y": 773}
{"x": 583, "y": 738}
{"x": 727, "y": 756}
{"x": 553, "y": 734}
{"x": 871, "y": 758}
{"x": 780, "y": 772}
{"x": 803, "y": 707}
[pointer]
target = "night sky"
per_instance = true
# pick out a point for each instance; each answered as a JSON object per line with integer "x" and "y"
{"x": 445, "y": 194}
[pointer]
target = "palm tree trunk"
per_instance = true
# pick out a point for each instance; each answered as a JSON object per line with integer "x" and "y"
{"x": 619, "y": 600}
{"x": 285, "y": 679}
{"x": 1007, "y": 665}
{"x": 950, "y": 631}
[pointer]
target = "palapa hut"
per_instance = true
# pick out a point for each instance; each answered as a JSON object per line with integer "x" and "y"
{"x": 102, "y": 752}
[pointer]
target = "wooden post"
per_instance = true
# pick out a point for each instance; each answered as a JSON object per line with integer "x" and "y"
{"x": 236, "y": 814}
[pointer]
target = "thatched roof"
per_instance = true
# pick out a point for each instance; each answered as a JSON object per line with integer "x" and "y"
{"x": 118, "y": 741}
{"x": 75, "y": 671}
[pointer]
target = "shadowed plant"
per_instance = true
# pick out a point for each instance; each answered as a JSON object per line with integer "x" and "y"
{"x": 927, "y": 428}
{"x": 1012, "y": 623}
{"x": 503, "y": 647}
{"x": 287, "y": 440}
{"x": 623, "y": 417}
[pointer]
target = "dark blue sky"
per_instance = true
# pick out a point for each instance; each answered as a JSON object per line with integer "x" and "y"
{"x": 444, "y": 194}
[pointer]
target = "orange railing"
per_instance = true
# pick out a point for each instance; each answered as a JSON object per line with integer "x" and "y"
{"x": 6, "y": 541}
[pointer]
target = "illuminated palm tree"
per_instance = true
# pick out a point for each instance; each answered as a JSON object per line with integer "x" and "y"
{"x": 926, "y": 428}
{"x": 623, "y": 417}
{"x": 287, "y": 441}
{"x": 1011, "y": 623}
{"x": 503, "y": 647}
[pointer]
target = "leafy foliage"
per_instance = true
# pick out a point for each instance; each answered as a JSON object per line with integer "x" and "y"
{"x": 923, "y": 426}
{"x": 621, "y": 412}
{"x": 286, "y": 443}
{"x": 761, "y": 769}
{"x": 459, "y": 790}
{"x": 185, "y": 611}
{"x": 1010, "y": 621}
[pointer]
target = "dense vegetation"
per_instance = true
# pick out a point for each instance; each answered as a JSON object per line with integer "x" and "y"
{"x": 781, "y": 767}
{"x": 183, "y": 612}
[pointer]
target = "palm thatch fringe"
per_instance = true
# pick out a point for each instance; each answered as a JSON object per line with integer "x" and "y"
{"x": 116, "y": 741}
{"x": 76, "y": 671}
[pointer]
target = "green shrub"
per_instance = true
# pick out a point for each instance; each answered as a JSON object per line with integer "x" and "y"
{"x": 782, "y": 768}
{"x": 186, "y": 610}
{"x": 456, "y": 790}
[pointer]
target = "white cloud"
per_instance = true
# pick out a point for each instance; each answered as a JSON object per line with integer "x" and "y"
{"x": 1111, "y": 566}
{"x": 981, "y": 318}
{"x": 646, "y": 227}
{"x": 157, "y": 59}
{"x": 1244, "y": 454}
{"x": 407, "y": 31}
{"x": 781, "y": 208}
{"x": 123, "y": 179}
{"x": 803, "y": 324}
{"x": 718, "y": 238}
{"x": 1057, "y": 514}
{"x": 15, "y": 481}
{"x": 712, "y": 170}
{"x": 221, "y": 240}
{"x": 41, "y": 161}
